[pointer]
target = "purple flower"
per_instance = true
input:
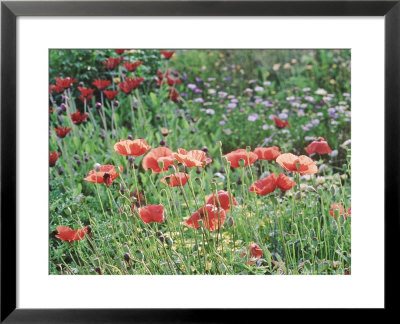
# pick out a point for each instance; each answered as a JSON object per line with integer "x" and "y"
{"x": 222, "y": 122}
{"x": 201, "y": 100}
{"x": 253, "y": 117}
{"x": 232, "y": 105}
{"x": 191, "y": 86}
{"x": 198, "y": 80}
{"x": 283, "y": 115}
{"x": 198, "y": 91}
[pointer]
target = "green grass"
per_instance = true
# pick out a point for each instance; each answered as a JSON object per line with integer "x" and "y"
{"x": 294, "y": 229}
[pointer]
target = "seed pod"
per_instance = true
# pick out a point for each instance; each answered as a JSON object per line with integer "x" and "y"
{"x": 127, "y": 257}
{"x": 98, "y": 270}
{"x": 97, "y": 167}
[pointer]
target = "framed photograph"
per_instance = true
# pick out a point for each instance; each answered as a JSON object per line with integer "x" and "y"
{"x": 197, "y": 155}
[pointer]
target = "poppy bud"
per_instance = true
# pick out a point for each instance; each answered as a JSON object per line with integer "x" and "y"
{"x": 229, "y": 222}
{"x": 192, "y": 131}
{"x": 97, "y": 167}
{"x": 58, "y": 267}
{"x": 98, "y": 105}
{"x": 80, "y": 84}
{"x": 198, "y": 171}
{"x": 130, "y": 137}
{"x": 89, "y": 229}
{"x": 116, "y": 103}
{"x": 127, "y": 257}
{"x": 86, "y": 159}
{"x": 161, "y": 164}
{"x": 204, "y": 149}
{"x": 239, "y": 182}
{"x": 297, "y": 195}
{"x": 242, "y": 163}
{"x": 79, "y": 162}
{"x": 162, "y": 238}
{"x": 134, "y": 108}
{"x": 99, "y": 271}
{"x": 130, "y": 160}
{"x": 159, "y": 233}
{"x": 158, "y": 117}
{"x": 180, "y": 116}
{"x": 139, "y": 254}
{"x": 136, "y": 166}
{"x": 63, "y": 107}
{"x": 169, "y": 241}
{"x": 162, "y": 142}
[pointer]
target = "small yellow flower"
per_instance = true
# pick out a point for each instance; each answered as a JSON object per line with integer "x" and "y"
{"x": 332, "y": 81}
{"x": 273, "y": 92}
{"x": 117, "y": 80}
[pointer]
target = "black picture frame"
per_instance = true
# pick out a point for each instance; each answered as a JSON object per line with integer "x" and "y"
{"x": 10, "y": 10}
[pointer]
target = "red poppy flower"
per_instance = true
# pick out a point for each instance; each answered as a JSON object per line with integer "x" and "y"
{"x": 222, "y": 200}
{"x": 194, "y": 158}
{"x": 167, "y": 54}
{"x": 62, "y": 131}
{"x": 56, "y": 88}
{"x": 173, "y": 95}
{"x": 110, "y": 94}
{"x": 136, "y": 147}
{"x": 172, "y": 81}
{"x": 67, "y": 234}
{"x": 86, "y": 94}
{"x": 161, "y": 75}
{"x": 212, "y": 217}
{"x": 53, "y": 158}
{"x": 176, "y": 179}
{"x": 131, "y": 67}
{"x": 51, "y": 110}
{"x": 78, "y": 118}
{"x": 284, "y": 182}
{"x": 302, "y": 164}
{"x": 119, "y": 51}
{"x": 130, "y": 84}
{"x": 349, "y": 211}
{"x": 65, "y": 83}
{"x": 254, "y": 253}
{"x": 112, "y": 62}
{"x": 267, "y": 153}
{"x": 152, "y": 213}
{"x": 264, "y": 186}
{"x": 156, "y": 155}
{"x": 101, "y": 84}
{"x": 107, "y": 174}
{"x": 338, "y": 209}
{"x": 321, "y": 146}
{"x": 241, "y": 154}
{"x": 281, "y": 123}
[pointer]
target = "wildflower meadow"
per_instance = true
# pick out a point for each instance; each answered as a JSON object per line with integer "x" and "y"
{"x": 199, "y": 162}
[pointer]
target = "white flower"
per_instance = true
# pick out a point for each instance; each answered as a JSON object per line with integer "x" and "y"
{"x": 321, "y": 92}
